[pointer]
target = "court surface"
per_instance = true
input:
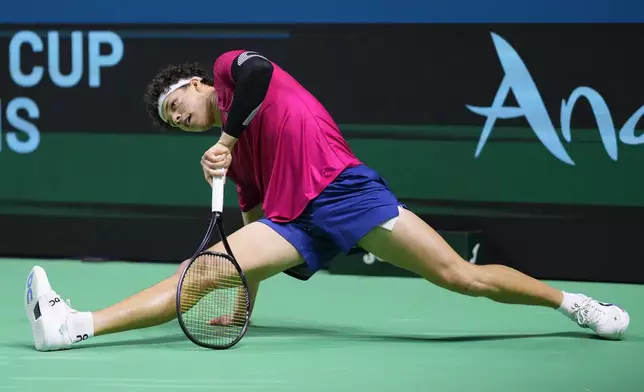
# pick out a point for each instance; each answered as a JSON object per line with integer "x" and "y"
{"x": 333, "y": 333}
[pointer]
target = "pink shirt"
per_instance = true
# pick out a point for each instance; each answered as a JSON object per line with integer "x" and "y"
{"x": 291, "y": 150}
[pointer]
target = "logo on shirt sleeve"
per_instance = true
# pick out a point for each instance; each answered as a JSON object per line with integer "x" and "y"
{"x": 248, "y": 55}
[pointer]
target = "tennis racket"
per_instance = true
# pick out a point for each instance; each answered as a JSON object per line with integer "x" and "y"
{"x": 213, "y": 304}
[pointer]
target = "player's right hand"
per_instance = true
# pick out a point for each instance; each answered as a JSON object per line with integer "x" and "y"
{"x": 215, "y": 161}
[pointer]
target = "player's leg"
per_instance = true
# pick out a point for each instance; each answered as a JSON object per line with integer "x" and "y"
{"x": 413, "y": 245}
{"x": 260, "y": 251}
{"x": 157, "y": 304}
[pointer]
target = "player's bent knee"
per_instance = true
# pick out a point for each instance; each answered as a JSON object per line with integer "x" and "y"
{"x": 200, "y": 278}
{"x": 181, "y": 267}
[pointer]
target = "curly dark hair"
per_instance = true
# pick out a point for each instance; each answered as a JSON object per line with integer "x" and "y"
{"x": 164, "y": 79}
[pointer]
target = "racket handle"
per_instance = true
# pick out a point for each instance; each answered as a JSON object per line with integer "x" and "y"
{"x": 218, "y": 193}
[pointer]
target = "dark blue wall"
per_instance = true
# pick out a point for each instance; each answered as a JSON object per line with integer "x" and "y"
{"x": 321, "y": 11}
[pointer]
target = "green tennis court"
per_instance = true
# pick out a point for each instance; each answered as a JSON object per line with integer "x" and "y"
{"x": 333, "y": 333}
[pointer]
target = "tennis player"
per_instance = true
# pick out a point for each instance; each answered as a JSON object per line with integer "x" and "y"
{"x": 305, "y": 197}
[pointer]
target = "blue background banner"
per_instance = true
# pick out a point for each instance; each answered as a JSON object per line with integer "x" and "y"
{"x": 322, "y": 11}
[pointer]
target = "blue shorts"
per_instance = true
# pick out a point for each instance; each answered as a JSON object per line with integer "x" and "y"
{"x": 350, "y": 207}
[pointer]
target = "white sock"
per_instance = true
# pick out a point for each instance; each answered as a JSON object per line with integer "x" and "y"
{"x": 571, "y": 302}
{"x": 80, "y": 326}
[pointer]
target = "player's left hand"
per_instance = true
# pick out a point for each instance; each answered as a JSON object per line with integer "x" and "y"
{"x": 215, "y": 161}
{"x": 223, "y": 321}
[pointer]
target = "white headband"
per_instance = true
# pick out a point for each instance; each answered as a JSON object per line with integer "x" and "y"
{"x": 170, "y": 90}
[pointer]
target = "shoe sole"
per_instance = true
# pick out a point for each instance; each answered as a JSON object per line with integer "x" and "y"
{"x": 625, "y": 324}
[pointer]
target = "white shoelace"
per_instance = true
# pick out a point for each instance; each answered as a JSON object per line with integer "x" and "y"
{"x": 64, "y": 330}
{"x": 588, "y": 313}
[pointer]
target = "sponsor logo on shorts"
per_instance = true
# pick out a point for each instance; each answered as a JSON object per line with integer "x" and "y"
{"x": 370, "y": 258}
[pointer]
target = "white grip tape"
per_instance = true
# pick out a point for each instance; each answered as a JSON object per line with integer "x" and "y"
{"x": 218, "y": 193}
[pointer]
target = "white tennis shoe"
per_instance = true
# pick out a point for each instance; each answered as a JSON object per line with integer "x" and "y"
{"x": 607, "y": 320}
{"x": 47, "y": 313}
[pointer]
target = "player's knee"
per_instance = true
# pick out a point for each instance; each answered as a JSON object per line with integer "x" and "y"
{"x": 181, "y": 267}
{"x": 200, "y": 275}
{"x": 465, "y": 278}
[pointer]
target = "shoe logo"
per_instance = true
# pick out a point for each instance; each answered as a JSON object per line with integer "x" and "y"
{"x": 80, "y": 338}
{"x": 54, "y": 301}
{"x": 30, "y": 294}
{"x": 605, "y": 304}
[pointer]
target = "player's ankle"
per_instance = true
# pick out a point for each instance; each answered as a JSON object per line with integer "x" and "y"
{"x": 570, "y": 303}
{"x": 80, "y": 326}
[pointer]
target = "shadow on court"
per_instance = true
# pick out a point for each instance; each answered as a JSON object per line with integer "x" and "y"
{"x": 176, "y": 338}
{"x": 338, "y": 333}
{"x": 354, "y": 334}
{"x": 161, "y": 340}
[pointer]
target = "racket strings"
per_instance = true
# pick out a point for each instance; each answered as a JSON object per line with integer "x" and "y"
{"x": 214, "y": 301}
